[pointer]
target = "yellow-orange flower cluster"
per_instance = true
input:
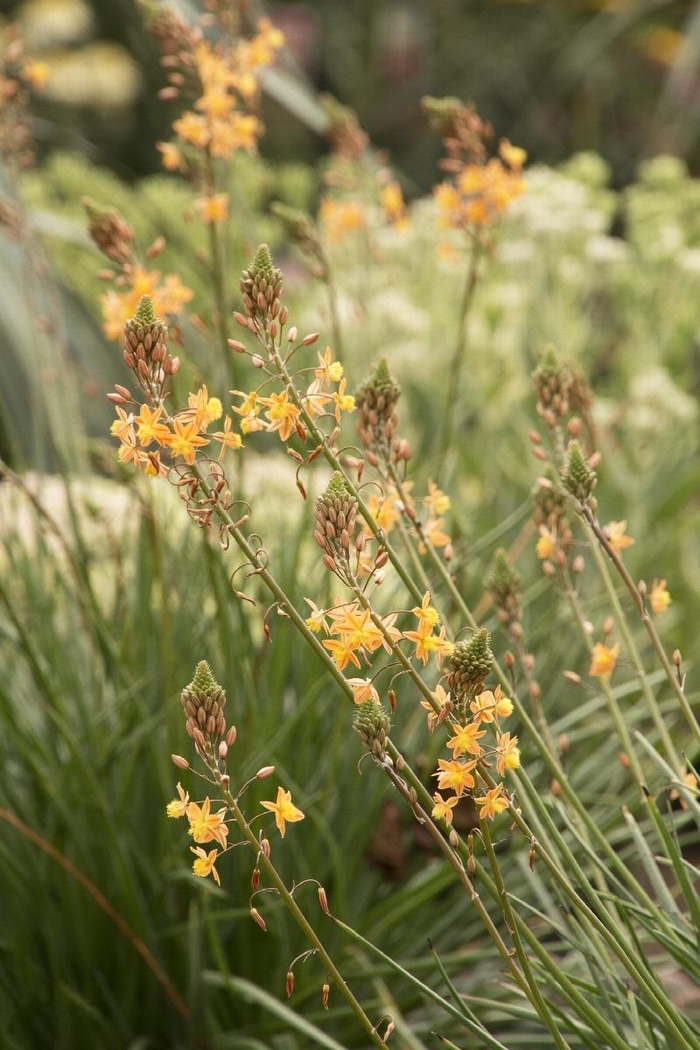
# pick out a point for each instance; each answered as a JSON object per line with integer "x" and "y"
{"x": 480, "y": 192}
{"x": 181, "y": 433}
{"x": 221, "y": 120}
{"x": 279, "y": 413}
{"x": 463, "y": 772}
{"x": 168, "y": 294}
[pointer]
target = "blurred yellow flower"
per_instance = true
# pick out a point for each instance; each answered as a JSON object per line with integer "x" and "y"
{"x": 659, "y": 597}
{"x": 603, "y": 660}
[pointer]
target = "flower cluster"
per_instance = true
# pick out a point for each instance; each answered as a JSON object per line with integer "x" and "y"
{"x": 224, "y": 79}
{"x": 467, "y": 709}
{"x": 146, "y": 429}
{"x": 478, "y": 188}
{"x": 203, "y": 702}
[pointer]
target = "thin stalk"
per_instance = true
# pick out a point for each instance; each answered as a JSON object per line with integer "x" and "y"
{"x": 460, "y": 347}
{"x": 640, "y": 604}
{"x": 611, "y": 703}
{"x": 535, "y": 994}
{"x": 296, "y": 912}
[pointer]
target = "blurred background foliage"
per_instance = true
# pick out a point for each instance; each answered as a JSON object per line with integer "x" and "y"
{"x": 621, "y": 77}
{"x": 108, "y": 598}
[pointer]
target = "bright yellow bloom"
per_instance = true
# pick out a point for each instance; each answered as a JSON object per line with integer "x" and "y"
{"x": 454, "y": 775}
{"x": 341, "y": 651}
{"x": 282, "y": 413}
{"x": 434, "y": 534}
{"x": 186, "y": 440}
{"x": 393, "y": 205}
{"x": 202, "y": 409}
{"x": 328, "y": 371}
{"x": 35, "y": 73}
{"x": 465, "y": 740}
{"x": 615, "y": 531}
{"x": 192, "y": 128}
{"x": 204, "y": 864}
{"x": 339, "y": 218}
{"x": 284, "y": 809}
{"x": 385, "y": 510}
{"x": 507, "y": 753}
{"x": 317, "y": 621}
{"x": 513, "y": 156}
{"x": 492, "y": 803}
{"x": 659, "y": 597}
{"x": 206, "y": 826}
{"x": 149, "y": 429}
{"x": 428, "y": 616}
{"x": 603, "y": 660}
{"x": 487, "y": 705}
{"x": 178, "y": 807}
{"x": 343, "y": 402}
{"x": 171, "y": 156}
{"x": 443, "y": 807}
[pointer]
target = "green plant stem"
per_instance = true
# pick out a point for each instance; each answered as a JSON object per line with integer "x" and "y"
{"x": 218, "y": 274}
{"x": 602, "y": 540}
{"x": 290, "y": 903}
{"x": 610, "y": 700}
{"x": 460, "y": 347}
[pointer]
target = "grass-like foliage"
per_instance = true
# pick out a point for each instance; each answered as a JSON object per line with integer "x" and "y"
{"x": 379, "y": 600}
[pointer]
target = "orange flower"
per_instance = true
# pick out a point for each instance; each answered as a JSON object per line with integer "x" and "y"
{"x": 615, "y": 532}
{"x": 492, "y": 803}
{"x": 204, "y": 864}
{"x": 443, "y": 807}
{"x": 206, "y": 826}
{"x": 214, "y": 208}
{"x": 603, "y": 660}
{"x": 284, "y": 809}
{"x": 186, "y": 440}
{"x": 149, "y": 427}
{"x": 465, "y": 740}
{"x": 454, "y": 775}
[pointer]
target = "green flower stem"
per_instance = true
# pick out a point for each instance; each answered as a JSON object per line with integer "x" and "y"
{"x": 594, "y": 528}
{"x": 217, "y": 273}
{"x": 535, "y": 994}
{"x": 612, "y": 704}
{"x": 610, "y": 931}
{"x": 332, "y": 459}
{"x": 310, "y": 933}
{"x": 426, "y": 821}
{"x": 471, "y": 1024}
{"x": 460, "y": 347}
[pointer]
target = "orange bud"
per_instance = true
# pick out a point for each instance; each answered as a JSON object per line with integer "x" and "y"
{"x": 255, "y": 914}
{"x": 325, "y": 994}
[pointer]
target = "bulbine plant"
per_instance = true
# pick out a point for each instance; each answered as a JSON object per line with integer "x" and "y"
{"x": 585, "y": 966}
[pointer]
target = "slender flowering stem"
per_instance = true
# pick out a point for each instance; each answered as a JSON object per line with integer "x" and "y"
{"x": 290, "y": 903}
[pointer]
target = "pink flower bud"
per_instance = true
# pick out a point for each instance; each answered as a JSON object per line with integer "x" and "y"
{"x": 266, "y": 771}
{"x": 180, "y": 762}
